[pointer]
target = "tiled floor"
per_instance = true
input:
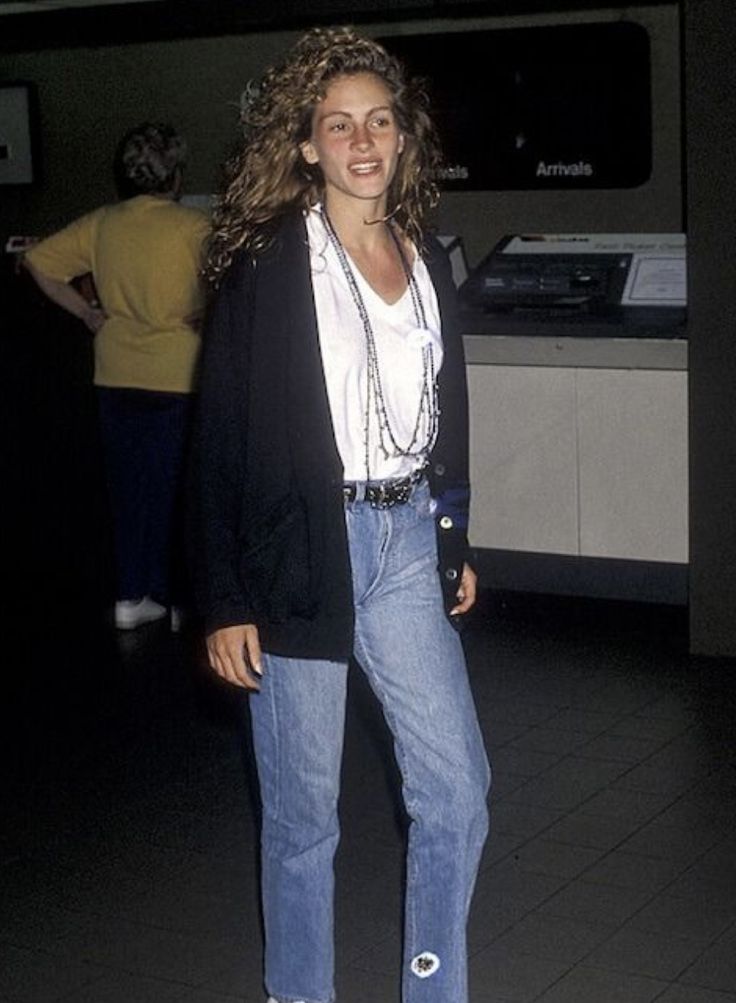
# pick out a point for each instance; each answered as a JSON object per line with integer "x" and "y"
{"x": 128, "y": 849}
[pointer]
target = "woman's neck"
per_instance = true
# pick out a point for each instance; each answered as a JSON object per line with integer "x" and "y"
{"x": 358, "y": 222}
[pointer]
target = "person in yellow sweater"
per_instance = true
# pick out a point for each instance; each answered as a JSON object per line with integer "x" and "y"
{"x": 144, "y": 254}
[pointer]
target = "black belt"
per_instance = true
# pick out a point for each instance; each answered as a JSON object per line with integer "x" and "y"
{"x": 383, "y": 494}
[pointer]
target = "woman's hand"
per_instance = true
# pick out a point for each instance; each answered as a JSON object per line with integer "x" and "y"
{"x": 93, "y": 317}
{"x": 467, "y": 591}
{"x": 195, "y": 320}
{"x": 69, "y": 299}
{"x": 235, "y": 655}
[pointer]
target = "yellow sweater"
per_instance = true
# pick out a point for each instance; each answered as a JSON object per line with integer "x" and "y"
{"x": 145, "y": 256}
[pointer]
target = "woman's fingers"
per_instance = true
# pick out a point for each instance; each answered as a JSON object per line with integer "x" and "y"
{"x": 235, "y": 655}
{"x": 467, "y": 591}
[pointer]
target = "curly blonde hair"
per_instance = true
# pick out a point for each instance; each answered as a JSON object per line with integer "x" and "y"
{"x": 268, "y": 175}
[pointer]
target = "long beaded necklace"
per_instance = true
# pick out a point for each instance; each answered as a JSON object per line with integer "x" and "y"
{"x": 428, "y": 409}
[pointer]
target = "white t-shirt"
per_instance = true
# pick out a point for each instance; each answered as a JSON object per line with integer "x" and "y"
{"x": 399, "y": 342}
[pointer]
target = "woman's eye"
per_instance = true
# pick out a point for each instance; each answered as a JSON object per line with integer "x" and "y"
{"x": 338, "y": 127}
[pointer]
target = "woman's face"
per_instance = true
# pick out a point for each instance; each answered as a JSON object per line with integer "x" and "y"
{"x": 355, "y": 138}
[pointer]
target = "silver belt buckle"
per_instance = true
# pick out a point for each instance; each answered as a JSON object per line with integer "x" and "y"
{"x": 384, "y": 499}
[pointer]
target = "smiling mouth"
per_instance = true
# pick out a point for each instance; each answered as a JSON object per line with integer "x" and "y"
{"x": 365, "y": 167}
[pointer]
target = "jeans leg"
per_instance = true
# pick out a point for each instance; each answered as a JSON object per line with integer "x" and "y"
{"x": 298, "y": 726}
{"x": 415, "y": 664}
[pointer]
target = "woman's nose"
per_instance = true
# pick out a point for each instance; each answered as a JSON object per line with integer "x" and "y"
{"x": 362, "y": 136}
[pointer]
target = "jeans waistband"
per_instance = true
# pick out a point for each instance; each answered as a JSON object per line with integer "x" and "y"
{"x": 383, "y": 494}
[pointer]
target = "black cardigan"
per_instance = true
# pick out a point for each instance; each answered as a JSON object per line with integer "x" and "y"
{"x": 267, "y": 527}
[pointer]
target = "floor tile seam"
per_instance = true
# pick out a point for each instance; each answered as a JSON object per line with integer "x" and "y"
{"x": 579, "y": 877}
{"x": 574, "y": 754}
{"x": 655, "y": 752}
{"x": 106, "y": 971}
{"x": 725, "y": 933}
{"x": 669, "y": 937}
{"x": 699, "y": 985}
{"x": 664, "y": 717}
{"x": 134, "y": 925}
{"x": 631, "y": 787}
{"x": 682, "y": 719}
{"x": 52, "y": 956}
{"x": 525, "y": 843}
{"x": 41, "y": 853}
{"x": 555, "y": 982}
{"x": 691, "y": 770}
{"x": 593, "y": 758}
{"x": 536, "y": 910}
{"x": 516, "y": 797}
{"x": 662, "y": 993}
{"x": 586, "y": 732}
{"x": 617, "y": 780}
{"x": 512, "y": 776}
{"x": 584, "y": 961}
{"x": 608, "y": 733}
{"x": 567, "y": 884}
{"x": 504, "y": 800}
{"x": 681, "y": 826}
{"x": 624, "y": 888}
{"x": 687, "y": 870}
{"x": 562, "y": 815}
{"x": 511, "y": 743}
{"x": 513, "y": 923}
{"x": 507, "y": 720}
{"x": 727, "y": 997}
{"x": 74, "y": 916}
{"x": 667, "y": 985}
{"x": 645, "y": 905}
{"x": 520, "y": 956}
{"x": 18, "y": 945}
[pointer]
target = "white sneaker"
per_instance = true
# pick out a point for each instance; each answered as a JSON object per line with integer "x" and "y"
{"x": 131, "y": 613}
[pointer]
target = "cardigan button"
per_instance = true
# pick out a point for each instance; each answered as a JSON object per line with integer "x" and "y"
{"x": 451, "y": 574}
{"x": 446, "y": 522}
{"x": 439, "y": 469}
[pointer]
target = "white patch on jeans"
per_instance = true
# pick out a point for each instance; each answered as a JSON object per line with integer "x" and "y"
{"x": 425, "y": 964}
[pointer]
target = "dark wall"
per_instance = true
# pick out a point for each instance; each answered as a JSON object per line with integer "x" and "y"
{"x": 89, "y": 95}
{"x": 710, "y": 76}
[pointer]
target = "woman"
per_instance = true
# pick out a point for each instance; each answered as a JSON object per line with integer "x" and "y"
{"x": 144, "y": 254}
{"x": 331, "y": 443}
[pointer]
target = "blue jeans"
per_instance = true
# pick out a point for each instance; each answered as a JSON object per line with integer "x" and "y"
{"x": 415, "y": 665}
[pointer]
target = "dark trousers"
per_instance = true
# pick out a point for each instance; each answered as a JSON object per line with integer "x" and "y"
{"x": 143, "y": 436}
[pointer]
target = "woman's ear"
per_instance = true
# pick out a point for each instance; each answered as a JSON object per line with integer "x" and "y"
{"x": 308, "y": 152}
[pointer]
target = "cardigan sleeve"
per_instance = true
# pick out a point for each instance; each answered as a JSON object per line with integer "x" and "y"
{"x": 449, "y": 463}
{"x": 217, "y": 454}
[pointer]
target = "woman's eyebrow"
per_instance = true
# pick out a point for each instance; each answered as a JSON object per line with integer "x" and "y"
{"x": 347, "y": 114}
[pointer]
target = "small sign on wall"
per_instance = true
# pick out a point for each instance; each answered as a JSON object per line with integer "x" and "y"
{"x": 16, "y": 134}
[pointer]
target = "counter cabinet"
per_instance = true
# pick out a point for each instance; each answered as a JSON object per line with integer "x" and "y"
{"x": 584, "y": 458}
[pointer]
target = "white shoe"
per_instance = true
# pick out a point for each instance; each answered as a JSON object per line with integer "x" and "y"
{"x": 131, "y": 613}
{"x": 272, "y": 1000}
